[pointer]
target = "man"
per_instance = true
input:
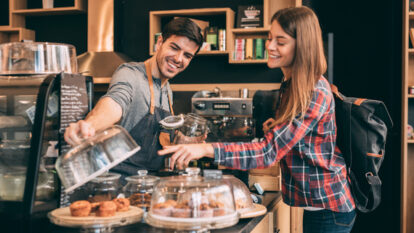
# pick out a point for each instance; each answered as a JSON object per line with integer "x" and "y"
{"x": 139, "y": 96}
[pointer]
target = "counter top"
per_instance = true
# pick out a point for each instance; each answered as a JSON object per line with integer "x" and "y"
{"x": 270, "y": 199}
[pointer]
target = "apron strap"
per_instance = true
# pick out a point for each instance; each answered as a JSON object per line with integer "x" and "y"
{"x": 149, "y": 76}
{"x": 150, "y": 82}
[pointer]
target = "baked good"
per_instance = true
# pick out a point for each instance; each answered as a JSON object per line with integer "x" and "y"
{"x": 164, "y": 208}
{"x": 100, "y": 197}
{"x": 138, "y": 199}
{"x": 122, "y": 204}
{"x": 106, "y": 209}
{"x": 218, "y": 208}
{"x": 181, "y": 210}
{"x": 80, "y": 208}
{"x": 204, "y": 211}
{"x": 241, "y": 204}
{"x": 95, "y": 206}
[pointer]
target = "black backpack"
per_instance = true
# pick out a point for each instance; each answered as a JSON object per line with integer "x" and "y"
{"x": 362, "y": 126}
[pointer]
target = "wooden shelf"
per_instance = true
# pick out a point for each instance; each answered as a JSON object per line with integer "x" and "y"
{"x": 214, "y": 52}
{"x": 410, "y": 141}
{"x": 258, "y": 61}
{"x": 411, "y": 15}
{"x": 250, "y": 30}
{"x": 410, "y": 96}
{"x": 9, "y": 34}
{"x": 51, "y": 11}
{"x": 155, "y": 18}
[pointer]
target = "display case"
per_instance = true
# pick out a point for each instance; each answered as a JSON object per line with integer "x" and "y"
{"x": 31, "y": 128}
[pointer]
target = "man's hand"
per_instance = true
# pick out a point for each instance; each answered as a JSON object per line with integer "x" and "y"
{"x": 183, "y": 154}
{"x": 78, "y": 131}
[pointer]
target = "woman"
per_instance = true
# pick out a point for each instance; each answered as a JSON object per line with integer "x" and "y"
{"x": 303, "y": 134}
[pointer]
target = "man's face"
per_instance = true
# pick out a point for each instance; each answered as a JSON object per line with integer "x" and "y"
{"x": 174, "y": 55}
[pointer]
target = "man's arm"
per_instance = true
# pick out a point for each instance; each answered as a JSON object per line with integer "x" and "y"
{"x": 107, "y": 112}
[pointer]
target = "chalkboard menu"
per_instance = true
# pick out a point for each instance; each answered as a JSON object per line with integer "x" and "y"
{"x": 73, "y": 107}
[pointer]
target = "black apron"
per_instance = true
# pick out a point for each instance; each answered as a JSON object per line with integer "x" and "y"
{"x": 146, "y": 133}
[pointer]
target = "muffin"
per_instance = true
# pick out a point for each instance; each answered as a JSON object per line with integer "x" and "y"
{"x": 218, "y": 208}
{"x": 164, "y": 208}
{"x": 106, "y": 209}
{"x": 181, "y": 210}
{"x": 80, "y": 208}
{"x": 204, "y": 211}
{"x": 122, "y": 204}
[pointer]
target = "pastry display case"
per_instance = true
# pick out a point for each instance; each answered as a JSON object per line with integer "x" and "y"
{"x": 32, "y": 85}
{"x": 192, "y": 202}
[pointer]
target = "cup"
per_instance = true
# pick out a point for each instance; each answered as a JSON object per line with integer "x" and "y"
{"x": 47, "y": 4}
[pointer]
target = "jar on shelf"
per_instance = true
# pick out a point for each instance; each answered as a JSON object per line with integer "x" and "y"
{"x": 139, "y": 189}
{"x": 104, "y": 187}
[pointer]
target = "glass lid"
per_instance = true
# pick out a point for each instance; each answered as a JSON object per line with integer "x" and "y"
{"x": 94, "y": 156}
{"x": 37, "y": 58}
{"x": 192, "y": 202}
{"x": 143, "y": 178}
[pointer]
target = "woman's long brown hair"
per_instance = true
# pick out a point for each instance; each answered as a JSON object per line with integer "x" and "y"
{"x": 308, "y": 64}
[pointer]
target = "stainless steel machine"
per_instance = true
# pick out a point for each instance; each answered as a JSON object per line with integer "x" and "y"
{"x": 230, "y": 117}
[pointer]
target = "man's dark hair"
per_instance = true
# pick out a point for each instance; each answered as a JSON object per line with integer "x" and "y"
{"x": 183, "y": 27}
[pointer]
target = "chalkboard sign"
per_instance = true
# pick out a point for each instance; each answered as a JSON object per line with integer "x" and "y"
{"x": 73, "y": 107}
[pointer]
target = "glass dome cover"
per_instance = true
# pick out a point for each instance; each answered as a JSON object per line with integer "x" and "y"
{"x": 37, "y": 58}
{"x": 192, "y": 202}
{"x": 242, "y": 198}
{"x": 94, "y": 156}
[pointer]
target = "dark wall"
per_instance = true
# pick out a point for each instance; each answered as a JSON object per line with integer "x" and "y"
{"x": 132, "y": 33}
{"x": 367, "y": 63}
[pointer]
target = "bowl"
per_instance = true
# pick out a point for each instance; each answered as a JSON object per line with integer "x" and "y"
{"x": 94, "y": 156}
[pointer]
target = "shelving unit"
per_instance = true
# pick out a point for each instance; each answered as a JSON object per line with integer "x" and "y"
{"x": 407, "y": 145}
{"x": 16, "y": 31}
{"x": 157, "y": 16}
{"x": 269, "y": 8}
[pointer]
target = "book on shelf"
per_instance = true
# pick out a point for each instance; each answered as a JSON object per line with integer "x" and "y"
{"x": 259, "y": 48}
{"x": 222, "y": 39}
{"x": 249, "y": 48}
{"x": 239, "y": 45}
{"x": 250, "y": 16}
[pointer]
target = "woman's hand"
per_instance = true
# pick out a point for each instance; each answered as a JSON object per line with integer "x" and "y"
{"x": 267, "y": 124}
{"x": 184, "y": 153}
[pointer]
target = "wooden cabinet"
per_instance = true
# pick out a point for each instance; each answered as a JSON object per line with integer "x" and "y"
{"x": 407, "y": 160}
{"x": 223, "y": 17}
{"x": 15, "y": 29}
{"x": 269, "y": 8}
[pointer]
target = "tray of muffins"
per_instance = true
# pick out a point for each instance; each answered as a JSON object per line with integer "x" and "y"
{"x": 84, "y": 214}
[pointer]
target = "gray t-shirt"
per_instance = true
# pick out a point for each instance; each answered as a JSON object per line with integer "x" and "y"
{"x": 130, "y": 89}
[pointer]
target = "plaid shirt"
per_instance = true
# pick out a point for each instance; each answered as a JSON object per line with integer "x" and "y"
{"x": 313, "y": 169}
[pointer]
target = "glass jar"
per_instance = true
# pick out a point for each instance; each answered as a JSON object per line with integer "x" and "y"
{"x": 193, "y": 130}
{"x": 12, "y": 183}
{"x": 104, "y": 187}
{"x": 139, "y": 189}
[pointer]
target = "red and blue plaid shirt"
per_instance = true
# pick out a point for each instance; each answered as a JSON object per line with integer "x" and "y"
{"x": 313, "y": 169}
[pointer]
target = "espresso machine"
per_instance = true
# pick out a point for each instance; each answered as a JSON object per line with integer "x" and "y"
{"x": 229, "y": 114}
